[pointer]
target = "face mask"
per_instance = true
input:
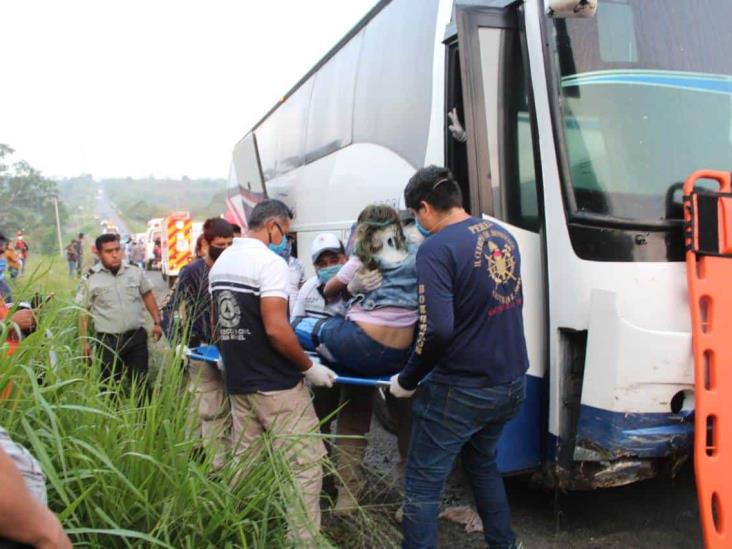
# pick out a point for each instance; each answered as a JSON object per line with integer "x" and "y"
{"x": 424, "y": 232}
{"x": 326, "y": 273}
{"x": 281, "y": 248}
{"x": 288, "y": 250}
{"x": 214, "y": 252}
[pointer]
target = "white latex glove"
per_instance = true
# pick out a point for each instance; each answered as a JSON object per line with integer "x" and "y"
{"x": 364, "y": 282}
{"x": 456, "y": 128}
{"x": 319, "y": 375}
{"x": 397, "y": 390}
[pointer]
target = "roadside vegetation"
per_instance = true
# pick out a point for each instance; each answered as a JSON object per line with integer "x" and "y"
{"x": 123, "y": 465}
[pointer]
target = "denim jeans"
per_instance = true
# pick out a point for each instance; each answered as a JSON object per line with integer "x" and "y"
{"x": 448, "y": 421}
{"x": 356, "y": 353}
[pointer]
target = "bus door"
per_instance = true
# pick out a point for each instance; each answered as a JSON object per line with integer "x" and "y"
{"x": 246, "y": 182}
{"x": 500, "y": 160}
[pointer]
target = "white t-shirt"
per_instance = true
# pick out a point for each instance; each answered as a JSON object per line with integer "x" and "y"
{"x": 310, "y": 302}
{"x": 295, "y": 280}
{"x": 245, "y": 273}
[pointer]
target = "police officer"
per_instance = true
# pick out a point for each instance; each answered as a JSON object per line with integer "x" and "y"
{"x": 114, "y": 294}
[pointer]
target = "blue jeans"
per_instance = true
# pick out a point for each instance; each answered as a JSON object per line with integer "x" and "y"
{"x": 448, "y": 421}
{"x": 356, "y": 353}
{"x": 73, "y": 267}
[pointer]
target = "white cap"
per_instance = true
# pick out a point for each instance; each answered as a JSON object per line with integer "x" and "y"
{"x": 325, "y": 242}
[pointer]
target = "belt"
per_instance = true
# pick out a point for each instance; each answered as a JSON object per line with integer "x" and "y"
{"x": 128, "y": 333}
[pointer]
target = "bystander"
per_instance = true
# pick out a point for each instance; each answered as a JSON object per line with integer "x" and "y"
{"x": 115, "y": 295}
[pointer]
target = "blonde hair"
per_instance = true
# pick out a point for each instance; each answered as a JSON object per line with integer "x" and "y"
{"x": 373, "y": 218}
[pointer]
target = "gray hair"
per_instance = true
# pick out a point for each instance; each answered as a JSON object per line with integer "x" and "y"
{"x": 266, "y": 210}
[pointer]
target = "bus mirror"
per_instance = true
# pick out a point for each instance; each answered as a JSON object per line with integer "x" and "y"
{"x": 571, "y": 8}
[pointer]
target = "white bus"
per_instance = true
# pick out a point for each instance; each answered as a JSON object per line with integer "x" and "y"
{"x": 579, "y": 132}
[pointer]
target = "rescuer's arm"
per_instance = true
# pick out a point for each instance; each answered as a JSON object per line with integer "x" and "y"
{"x": 353, "y": 278}
{"x": 279, "y": 332}
{"x": 22, "y": 517}
{"x": 435, "y": 326}
{"x": 273, "y": 310}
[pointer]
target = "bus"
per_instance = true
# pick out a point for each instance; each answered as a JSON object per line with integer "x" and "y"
{"x": 582, "y": 118}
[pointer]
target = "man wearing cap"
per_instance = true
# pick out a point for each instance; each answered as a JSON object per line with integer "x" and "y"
{"x": 354, "y": 418}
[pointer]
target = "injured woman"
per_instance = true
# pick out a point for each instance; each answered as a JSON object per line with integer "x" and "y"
{"x": 375, "y": 337}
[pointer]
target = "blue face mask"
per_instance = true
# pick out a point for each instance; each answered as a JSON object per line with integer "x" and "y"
{"x": 281, "y": 248}
{"x": 424, "y": 232}
{"x": 326, "y": 273}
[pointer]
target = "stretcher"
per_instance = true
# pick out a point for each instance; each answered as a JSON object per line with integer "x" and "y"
{"x": 708, "y": 239}
{"x": 210, "y": 354}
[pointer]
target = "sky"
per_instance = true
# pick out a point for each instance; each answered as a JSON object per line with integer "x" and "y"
{"x": 152, "y": 87}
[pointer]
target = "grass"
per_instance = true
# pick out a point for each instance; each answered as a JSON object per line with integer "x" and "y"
{"x": 122, "y": 467}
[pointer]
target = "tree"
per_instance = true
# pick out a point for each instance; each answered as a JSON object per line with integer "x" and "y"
{"x": 27, "y": 202}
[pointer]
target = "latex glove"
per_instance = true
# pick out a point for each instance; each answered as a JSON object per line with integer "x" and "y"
{"x": 397, "y": 390}
{"x": 319, "y": 375}
{"x": 364, "y": 282}
{"x": 456, "y": 128}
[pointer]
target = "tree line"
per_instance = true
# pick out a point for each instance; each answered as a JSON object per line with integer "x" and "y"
{"x": 27, "y": 203}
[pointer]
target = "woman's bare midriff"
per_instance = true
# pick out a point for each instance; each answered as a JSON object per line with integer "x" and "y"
{"x": 388, "y": 336}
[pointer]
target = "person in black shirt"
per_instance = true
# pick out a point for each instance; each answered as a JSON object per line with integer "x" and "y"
{"x": 469, "y": 355}
{"x": 264, "y": 366}
{"x": 193, "y": 301}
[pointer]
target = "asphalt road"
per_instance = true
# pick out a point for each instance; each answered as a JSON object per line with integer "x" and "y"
{"x": 659, "y": 513}
{"x": 105, "y": 209}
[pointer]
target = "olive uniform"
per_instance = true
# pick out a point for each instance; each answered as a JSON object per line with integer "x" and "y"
{"x": 115, "y": 304}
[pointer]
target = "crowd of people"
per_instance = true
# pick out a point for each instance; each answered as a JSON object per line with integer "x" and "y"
{"x": 429, "y": 299}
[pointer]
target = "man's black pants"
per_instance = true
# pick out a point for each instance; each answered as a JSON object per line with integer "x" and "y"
{"x": 124, "y": 354}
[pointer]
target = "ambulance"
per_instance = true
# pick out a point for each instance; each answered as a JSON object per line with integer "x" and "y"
{"x": 177, "y": 252}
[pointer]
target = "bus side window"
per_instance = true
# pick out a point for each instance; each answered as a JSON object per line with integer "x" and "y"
{"x": 522, "y": 205}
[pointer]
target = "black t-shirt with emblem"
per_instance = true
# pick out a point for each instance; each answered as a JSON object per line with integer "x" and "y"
{"x": 470, "y": 331}
{"x": 244, "y": 274}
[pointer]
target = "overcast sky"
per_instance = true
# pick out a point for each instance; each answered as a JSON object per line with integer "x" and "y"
{"x": 152, "y": 87}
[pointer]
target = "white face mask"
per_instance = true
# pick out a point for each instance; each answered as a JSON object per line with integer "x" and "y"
{"x": 389, "y": 251}
{"x": 412, "y": 234}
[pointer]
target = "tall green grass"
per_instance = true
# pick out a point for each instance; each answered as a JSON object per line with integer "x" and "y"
{"x": 122, "y": 464}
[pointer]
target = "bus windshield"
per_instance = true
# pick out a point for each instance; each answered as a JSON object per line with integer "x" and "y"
{"x": 646, "y": 99}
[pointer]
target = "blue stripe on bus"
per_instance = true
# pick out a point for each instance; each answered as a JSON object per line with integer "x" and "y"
{"x": 519, "y": 447}
{"x": 649, "y": 435}
{"x": 686, "y": 81}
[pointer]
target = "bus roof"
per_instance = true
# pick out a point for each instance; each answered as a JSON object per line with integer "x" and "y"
{"x": 373, "y": 12}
